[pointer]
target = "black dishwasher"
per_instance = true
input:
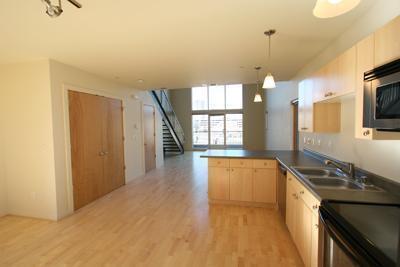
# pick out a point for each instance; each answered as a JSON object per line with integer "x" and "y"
{"x": 282, "y": 190}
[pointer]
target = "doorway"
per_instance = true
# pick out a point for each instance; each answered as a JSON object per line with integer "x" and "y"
{"x": 149, "y": 137}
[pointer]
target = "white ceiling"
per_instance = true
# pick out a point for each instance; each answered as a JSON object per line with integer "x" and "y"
{"x": 174, "y": 43}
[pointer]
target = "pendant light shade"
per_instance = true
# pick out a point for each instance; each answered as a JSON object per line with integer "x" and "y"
{"x": 332, "y": 8}
{"x": 258, "y": 97}
{"x": 269, "y": 82}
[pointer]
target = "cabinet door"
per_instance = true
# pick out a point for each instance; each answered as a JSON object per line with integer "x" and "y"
{"x": 314, "y": 241}
{"x": 346, "y": 72}
{"x": 304, "y": 231}
{"x": 306, "y": 105}
{"x": 264, "y": 188}
{"x": 291, "y": 208}
{"x": 320, "y": 84}
{"x": 218, "y": 183}
{"x": 365, "y": 62}
{"x": 241, "y": 184}
{"x": 387, "y": 42}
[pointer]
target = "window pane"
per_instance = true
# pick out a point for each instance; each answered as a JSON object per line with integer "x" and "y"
{"x": 217, "y": 97}
{"x": 217, "y": 128}
{"x": 199, "y": 98}
{"x": 234, "y": 97}
{"x": 234, "y": 129}
{"x": 200, "y": 129}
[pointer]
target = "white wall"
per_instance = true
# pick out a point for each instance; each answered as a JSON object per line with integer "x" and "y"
{"x": 380, "y": 157}
{"x": 65, "y": 77}
{"x": 27, "y": 133}
{"x": 279, "y": 117}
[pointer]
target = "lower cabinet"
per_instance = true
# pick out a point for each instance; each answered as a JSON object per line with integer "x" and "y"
{"x": 242, "y": 180}
{"x": 241, "y": 184}
{"x": 218, "y": 183}
{"x": 302, "y": 220}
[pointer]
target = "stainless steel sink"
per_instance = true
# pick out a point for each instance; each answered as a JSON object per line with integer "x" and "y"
{"x": 339, "y": 183}
{"x": 319, "y": 172}
{"x": 332, "y": 178}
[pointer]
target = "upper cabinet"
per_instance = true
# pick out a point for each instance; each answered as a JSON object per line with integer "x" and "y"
{"x": 316, "y": 117}
{"x": 336, "y": 78}
{"x": 379, "y": 48}
{"x": 387, "y": 43}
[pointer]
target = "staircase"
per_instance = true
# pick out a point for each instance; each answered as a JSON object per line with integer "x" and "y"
{"x": 173, "y": 135}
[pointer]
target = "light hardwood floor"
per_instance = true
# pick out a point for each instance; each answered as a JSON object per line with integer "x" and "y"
{"x": 161, "y": 219}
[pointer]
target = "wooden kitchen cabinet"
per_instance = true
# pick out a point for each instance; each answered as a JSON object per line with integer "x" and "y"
{"x": 264, "y": 185}
{"x": 241, "y": 184}
{"x": 306, "y": 105}
{"x": 314, "y": 241}
{"x": 252, "y": 182}
{"x": 301, "y": 218}
{"x": 218, "y": 183}
{"x": 316, "y": 117}
{"x": 387, "y": 43}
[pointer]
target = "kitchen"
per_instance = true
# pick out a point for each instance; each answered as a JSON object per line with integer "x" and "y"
{"x": 337, "y": 214}
{"x": 211, "y": 133}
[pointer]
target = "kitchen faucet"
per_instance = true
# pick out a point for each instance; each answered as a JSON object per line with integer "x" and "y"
{"x": 350, "y": 170}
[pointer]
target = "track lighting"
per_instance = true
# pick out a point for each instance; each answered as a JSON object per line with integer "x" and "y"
{"x": 56, "y": 10}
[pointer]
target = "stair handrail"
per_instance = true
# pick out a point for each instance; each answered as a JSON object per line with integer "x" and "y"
{"x": 169, "y": 116}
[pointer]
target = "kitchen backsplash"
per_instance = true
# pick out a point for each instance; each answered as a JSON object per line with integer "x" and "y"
{"x": 381, "y": 157}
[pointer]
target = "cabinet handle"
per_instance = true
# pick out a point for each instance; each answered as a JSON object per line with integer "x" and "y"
{"x": 101, "y": 153}
{"x": 231, "y": 169}
{"x": 367, "y": 132}
{"x": 315, "y": 207}
{"x": 316, "y": 226}
{"x": 255, "y": 170}
{"x": 290, "y": 179}
{"x": 301, "y": 192}
{"x": 304, "y": 128}
{"x": 227, "y": 169}
{"x": 105, "y": 152}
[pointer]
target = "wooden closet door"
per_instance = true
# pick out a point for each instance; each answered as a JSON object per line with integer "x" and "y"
{"x": 86, "y": 125}
{"x": 113, "y": 144}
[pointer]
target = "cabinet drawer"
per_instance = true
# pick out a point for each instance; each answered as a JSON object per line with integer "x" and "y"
{"x": 241, "y": 163}
{"x": 309, "y": 199}
{"x": 264, "y": 164}
{"x": 218, "y": 162}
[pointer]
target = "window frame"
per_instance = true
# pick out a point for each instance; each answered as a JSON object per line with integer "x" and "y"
{"x": 216, "y": 112}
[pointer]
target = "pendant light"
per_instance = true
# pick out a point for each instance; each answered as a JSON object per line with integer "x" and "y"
{"x": 258, "y": 97}
{"x": 269, "y": 81}
{"x": 332, "y": 8}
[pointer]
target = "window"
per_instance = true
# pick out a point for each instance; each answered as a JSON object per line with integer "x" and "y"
{"x": 217, "y": 115}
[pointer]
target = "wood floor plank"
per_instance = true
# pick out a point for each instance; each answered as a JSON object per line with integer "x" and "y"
{"x": 160, "y": 219}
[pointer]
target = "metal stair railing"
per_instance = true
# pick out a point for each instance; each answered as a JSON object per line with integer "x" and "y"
{"x": 169, "y": 117}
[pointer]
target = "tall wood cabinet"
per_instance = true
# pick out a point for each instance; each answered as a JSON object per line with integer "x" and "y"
{"x": 97, "y": 146}
{"x": 387, "y": 42}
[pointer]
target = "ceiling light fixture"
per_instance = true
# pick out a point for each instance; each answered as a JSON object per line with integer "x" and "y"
{"x": 269, "y": 81}
{"x": 258, "y": 97}
{"x": 56, "y": 10}
{"x": 332, "y": 8}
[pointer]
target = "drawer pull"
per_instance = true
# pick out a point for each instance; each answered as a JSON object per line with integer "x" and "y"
{"x": 315, "y": 207}
{"x": 218, "y": 162}
{"x": 241, "y": 163}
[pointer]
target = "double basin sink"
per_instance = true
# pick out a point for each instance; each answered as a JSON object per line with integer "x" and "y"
{"x": 332, "y": 178}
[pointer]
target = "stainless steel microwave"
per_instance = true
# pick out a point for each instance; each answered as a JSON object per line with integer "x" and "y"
{"x": 382, "y": 97}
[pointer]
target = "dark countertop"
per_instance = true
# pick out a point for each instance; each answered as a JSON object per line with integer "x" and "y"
{"x": 298, "y": 158}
